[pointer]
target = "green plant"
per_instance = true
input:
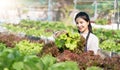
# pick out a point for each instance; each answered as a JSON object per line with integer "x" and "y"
{"x": 71, "y": 41}
{"x": 26, "y": 47}
{"x": 94, "y": 68}
{"x": 12, "y": 59}
{"x": 67, "y": 65}
{"x": 48, "y": 61}
{"x": 101, "y": 21}
{"x": 109, "y": 45}
{"x": 2, "y": 47}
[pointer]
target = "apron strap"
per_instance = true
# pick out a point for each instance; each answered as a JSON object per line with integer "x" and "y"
{"x": 86, "y": 41}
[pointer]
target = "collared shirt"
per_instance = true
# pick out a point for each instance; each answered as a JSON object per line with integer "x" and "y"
{"x": 92, "y": 43}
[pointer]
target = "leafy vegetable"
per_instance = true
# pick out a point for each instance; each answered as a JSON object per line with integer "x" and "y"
{"x": 71, "y": 41}
{"x": 25, "y": 47}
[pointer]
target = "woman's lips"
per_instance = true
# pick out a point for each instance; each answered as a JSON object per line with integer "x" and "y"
{"x": 79, "y": 28}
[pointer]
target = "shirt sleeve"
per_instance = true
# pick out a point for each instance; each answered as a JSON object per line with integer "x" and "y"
{"x": 93, "y": 43}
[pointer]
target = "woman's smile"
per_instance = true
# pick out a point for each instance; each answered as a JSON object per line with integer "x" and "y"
{"x": 82, "y": 25}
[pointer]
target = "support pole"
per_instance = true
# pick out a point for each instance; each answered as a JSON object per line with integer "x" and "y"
{"x": 49, "y": 10}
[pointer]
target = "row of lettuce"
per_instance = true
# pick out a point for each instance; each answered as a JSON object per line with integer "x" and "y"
{"x": 109, "y": 39}
{"x": 12, "y": 59}
{"x": 23, "y": 55}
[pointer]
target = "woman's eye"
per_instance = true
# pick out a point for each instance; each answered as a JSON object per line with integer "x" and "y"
{"x": 76, "y": 22}
{"x": 81, "y": 22}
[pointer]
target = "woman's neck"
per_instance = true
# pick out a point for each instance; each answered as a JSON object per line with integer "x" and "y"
{"x": 85, "y": 32}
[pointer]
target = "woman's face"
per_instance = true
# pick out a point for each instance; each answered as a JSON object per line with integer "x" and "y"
{"x": 82, "y": 25}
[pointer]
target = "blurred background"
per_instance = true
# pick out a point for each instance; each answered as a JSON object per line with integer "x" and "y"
{"x": 59, "y": 10}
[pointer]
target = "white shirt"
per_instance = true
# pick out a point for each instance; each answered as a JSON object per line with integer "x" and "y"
{"x": 92, "y": 43}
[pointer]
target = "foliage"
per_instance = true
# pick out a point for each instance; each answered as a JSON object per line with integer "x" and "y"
{"x": 49, "y": 48}
{"x": 109, "y": 39}
{"x": 101, "y": 21}
{"x": 94, "y": 68}
{"x": 36, "y": 28}
{"x": 110, "y": 45}
{"x": 71, "y": 41}
{"x": 48, "y": 61}
{"x": 9, "y": 39}
{"x": 2, "y": 47}
{"x": 88, "y": 59}
{"x": 11, "y": 59}
{"x": 51, "y": 64}
{"x": 26, "y": 47}
{"x": 69, "y": 65}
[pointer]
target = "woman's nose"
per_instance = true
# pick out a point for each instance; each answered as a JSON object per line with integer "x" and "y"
{"x": 79, "y": 24}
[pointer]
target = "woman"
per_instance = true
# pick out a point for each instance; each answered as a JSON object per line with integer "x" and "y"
{"x": 85, "y": 29}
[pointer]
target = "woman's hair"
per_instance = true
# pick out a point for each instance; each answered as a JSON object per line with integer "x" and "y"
{"x": 84, "y": 16}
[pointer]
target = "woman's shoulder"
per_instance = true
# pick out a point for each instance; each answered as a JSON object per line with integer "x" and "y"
{"x": 93, "y": 36}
